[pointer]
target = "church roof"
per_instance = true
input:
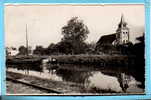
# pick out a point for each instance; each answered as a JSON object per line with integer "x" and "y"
{"x": 107, "y": 39}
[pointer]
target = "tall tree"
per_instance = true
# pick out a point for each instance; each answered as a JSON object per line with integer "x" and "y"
{"x": 75, "y": 33}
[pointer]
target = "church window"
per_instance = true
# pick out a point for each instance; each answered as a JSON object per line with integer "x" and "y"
{"x": 123, "y": 41}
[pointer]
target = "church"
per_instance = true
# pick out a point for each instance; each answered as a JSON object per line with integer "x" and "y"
{"x": 107, "y": 43}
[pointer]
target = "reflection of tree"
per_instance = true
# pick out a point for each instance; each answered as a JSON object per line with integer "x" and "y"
{"x": 28, "y": 67}
{"x": 80, "y": 77}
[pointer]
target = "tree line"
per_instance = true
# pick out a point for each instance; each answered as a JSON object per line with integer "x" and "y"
{"x": 73, "y": 42}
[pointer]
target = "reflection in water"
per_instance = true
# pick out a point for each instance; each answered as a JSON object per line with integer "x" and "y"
{"x": 89, "y": 79}
{"x": 104, "y": 82}
{"x": 27, "y": 67}
{"x": 80, "y": 77}
{"x": 45, "y": 74}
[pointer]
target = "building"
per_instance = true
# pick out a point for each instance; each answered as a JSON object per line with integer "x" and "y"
{"x": 11, "y": 51}
{"x": 122, "y": 33}
{"x": 107, "y": 43}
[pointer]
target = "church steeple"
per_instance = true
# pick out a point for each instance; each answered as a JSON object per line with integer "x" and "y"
{"x": 122, "y": 18}
{"x": 122, "y": 32}
{"x": 122, "y": 22}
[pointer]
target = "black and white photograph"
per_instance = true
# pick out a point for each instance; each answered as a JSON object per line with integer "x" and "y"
{"x": 75, "y": 49}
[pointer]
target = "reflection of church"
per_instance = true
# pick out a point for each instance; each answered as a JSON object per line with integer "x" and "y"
{"x": 121, "y": 37}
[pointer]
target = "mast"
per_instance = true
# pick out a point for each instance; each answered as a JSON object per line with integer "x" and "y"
{"x": 26, "y": 40}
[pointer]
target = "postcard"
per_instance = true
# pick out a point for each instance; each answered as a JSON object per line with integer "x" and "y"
{"x": 76, "y": 49}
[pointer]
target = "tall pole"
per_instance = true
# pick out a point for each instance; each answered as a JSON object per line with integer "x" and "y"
{"x": 26, "y": 40}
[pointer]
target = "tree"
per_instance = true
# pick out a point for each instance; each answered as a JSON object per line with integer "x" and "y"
{"x": 139, "y": 68}
{"x": 64, "y": 47}
{"x": 39, "y": 50}
{"x": 75, "y": 33}
{"x": 125, "y": 49}
{"x": 91, "y": 48}
{"x": 51, "y": 49}
{"x": 22, "y": 50}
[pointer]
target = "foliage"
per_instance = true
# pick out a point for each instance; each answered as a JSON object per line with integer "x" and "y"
{"x": 39, "y": 50}
{"x": 74, "y": 35}
{"x": 64, "y": 47}
{"x": 75, "y": 30}
{"x": 125, "y": 49}
{"x": 51, "y": 48}
{"x": 139, "y": 51}
{"x": 22, "y": 50}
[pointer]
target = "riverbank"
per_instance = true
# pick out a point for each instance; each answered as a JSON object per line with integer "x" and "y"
{"x": 104, "y": 60}
{"x": 101, "y": 60}
{"x": 62, "y": 87}
{"x": 18, "y": 88}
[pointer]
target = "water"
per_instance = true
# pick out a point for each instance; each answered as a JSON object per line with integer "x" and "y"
{"x": 90, "y": 78}
{"x": 104, "y": 82}
{"x": 45, "y": 74}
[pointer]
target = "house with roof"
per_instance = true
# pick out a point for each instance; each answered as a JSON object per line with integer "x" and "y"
{"x": 11, "y": 51}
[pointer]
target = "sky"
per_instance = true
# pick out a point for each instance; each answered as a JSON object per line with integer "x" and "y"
{"x": 44, "y": 21}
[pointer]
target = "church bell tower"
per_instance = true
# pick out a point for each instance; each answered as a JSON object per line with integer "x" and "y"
{"x": 122, "y": 33}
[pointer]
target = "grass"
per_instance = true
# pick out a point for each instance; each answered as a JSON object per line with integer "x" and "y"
{"x": 104, "y": 60}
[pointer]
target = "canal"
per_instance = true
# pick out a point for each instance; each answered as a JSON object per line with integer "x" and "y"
{"x": 94, "y": 79}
